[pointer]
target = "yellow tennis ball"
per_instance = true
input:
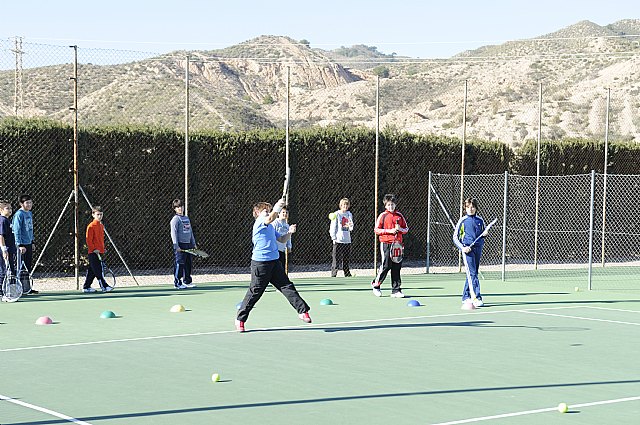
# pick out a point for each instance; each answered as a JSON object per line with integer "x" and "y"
{"x": 332, "y": 216}
{"x": 215, "y": 377}
{"x": 563, "y": 408}
{"x": 577, "y": 289}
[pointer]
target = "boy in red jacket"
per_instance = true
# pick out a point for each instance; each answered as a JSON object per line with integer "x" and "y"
{"x": 95, "y": 243}
{"x": 390, "y": 226}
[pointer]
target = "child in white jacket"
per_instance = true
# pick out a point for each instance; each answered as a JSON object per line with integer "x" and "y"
{"x": 340, "y": 231}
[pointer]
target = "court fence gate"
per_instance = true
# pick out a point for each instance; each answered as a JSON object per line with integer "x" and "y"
{"x": 575, "y": 225}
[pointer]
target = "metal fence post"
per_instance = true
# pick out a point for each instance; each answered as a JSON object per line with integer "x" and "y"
{"x": 504, "y": 224}
{"x": 76, "y": 175}
{"x": 287, "y": 169}
{"x": 428, "y": 223}
{"x": 591, "y": 214}
{"x": 464, "y": 140}
{"x": 186, "y": 136}
{"x": 537, "y": 212}
{"x": 605, "y": 167}
{"x": 375, "y": 189}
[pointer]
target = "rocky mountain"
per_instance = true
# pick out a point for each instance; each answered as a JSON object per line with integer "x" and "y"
{"x": 245, "y": 86}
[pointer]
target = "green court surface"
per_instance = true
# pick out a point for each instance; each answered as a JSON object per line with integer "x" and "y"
{"x": 364, "y": 360}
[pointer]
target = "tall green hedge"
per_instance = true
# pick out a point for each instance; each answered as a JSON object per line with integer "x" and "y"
{"x": 577, "y": 156}
{"x": 134, "y": 172}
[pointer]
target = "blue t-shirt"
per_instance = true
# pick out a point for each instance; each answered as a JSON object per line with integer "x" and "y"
{"x": 7, "y": 233}
{"x": 264, "y": 241}
{"x": 23, "y": 227}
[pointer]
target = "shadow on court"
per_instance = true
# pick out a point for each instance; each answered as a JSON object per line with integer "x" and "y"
{"x": 327, "y": 400}
{"x": 169, "y": 290}
{"x": 476, "y": 323}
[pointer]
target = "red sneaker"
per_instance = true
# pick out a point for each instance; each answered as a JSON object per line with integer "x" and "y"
{"x": 305, "y": 317}
{"x": 239, "y": 326}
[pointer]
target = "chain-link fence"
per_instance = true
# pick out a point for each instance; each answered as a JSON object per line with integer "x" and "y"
{"x": 187, "y": 96}
{"x": 573, "y": 229}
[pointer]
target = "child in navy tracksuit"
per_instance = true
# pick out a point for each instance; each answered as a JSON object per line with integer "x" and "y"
{"x": 469, "y": 228}
{"x": 182, "y": 238}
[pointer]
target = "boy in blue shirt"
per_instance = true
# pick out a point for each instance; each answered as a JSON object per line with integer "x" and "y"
{"x": 23, "y": 231}
{"x": 469, "y": 228}
{"x": 266, "y": 266}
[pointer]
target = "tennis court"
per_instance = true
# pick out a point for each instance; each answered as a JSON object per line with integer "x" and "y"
{"x": 363, "y": 360}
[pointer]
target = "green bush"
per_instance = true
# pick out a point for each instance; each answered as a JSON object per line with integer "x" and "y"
{"x": 135, "y": 171}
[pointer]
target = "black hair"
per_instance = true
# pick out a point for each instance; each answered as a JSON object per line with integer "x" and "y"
{"x": 390, "y": 197}
{"x": 471, "y": 201}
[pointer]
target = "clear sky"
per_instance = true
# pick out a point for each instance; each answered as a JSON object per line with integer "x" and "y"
{"x": 416, "y": 28}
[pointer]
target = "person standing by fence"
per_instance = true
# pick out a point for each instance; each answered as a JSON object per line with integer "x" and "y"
{"x": 23, "y": 230}
{"x": 182, "y": 238}
{"x": 95, "y": 245}
{"x": 468, "y": 236}
{"x": 340, "y": 232}
{"x": 390, "y": 227}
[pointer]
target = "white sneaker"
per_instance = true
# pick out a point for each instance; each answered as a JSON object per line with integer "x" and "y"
{"x": 181, "y": 286}
{"x": 107, "y": 289}
{"x": 398, "y": 294}
{"x": 478, "y": 302}
{"x": 468, "y": 305}
{"x": 377, "y": 292}
{"x": 87, "y": 290}
{"x": 190, "y": 285}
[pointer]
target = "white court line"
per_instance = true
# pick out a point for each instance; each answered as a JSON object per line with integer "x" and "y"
{"x": 43, "y": 410}
{"x": 580, "y": 318}
{"x": 148, "y": 338}
{"x": 611, "y": 309}
{"x": 531, "y": 412}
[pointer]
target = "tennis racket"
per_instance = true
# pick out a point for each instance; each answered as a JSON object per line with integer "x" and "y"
{"x": 486, "y": 229}
{"x": 397, "y": 250}
{"x": 107, "y": 273}
{"x": 285, "y": 196}
{"x": 25, "y": 278}
{"x": 196, "y": 252}
{"x": 11, "y": 286}
{"x": 285, "y": 189}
